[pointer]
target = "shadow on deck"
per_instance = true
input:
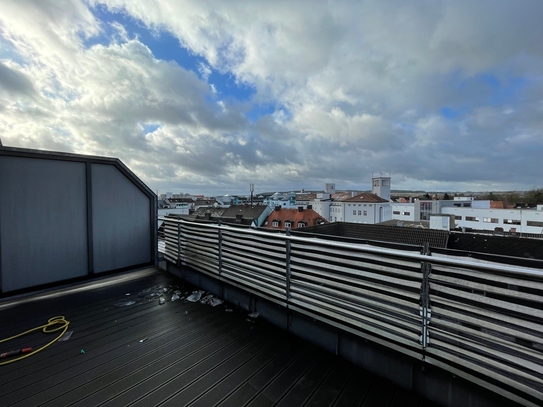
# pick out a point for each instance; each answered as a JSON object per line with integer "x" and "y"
{"x": 175, "y": 354}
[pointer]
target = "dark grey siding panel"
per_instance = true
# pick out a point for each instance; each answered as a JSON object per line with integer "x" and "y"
{"x": 121, "y": 220}
{"x": 43, "y": 226}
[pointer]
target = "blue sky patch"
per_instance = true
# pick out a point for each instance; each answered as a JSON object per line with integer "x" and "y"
{"x": 150, "y": 128}
{"x": 166, "y": 47}
{"x": 260, "y": 110}
{"x": 449, "y": 113}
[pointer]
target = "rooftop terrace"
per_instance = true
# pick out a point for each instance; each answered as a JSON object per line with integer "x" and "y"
{"x": 460, "y": 329}
{"x": 176, "y": 354}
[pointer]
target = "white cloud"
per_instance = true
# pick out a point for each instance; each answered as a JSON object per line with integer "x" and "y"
{"x": 357, "y": 87}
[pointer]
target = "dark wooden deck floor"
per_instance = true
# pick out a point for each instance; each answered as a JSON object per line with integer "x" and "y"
{"x": 176, "y": 354}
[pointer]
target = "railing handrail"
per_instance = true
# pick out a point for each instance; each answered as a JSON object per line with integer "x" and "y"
{"x": 436, "y": 257}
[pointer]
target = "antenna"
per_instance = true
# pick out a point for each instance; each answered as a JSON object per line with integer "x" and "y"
{"x": 252, "y": 189}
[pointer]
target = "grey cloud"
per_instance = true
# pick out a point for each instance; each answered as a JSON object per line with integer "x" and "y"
{"x": 15, "y": 82}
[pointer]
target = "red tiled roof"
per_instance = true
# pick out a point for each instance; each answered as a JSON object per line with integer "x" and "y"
{"x": 308, "y": 216}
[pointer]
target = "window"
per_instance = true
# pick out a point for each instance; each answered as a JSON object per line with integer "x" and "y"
{"x": 395, "y": 212}
{"x": 275, "y": 224}
{"x": 512, "y": 221}
{"x": 287, "y": 224}
{"x": 534, "y": 223}
{"x": 472, "y": 218}
{"x": 365, "y": 213}
{"x": 301, "y": 225}
{"x": 490, "y": 220}
{"x": 386, "y": 183}
{"x": 467, "y": 205}
{"x": 406, "y": 213}
{"x": 426, "y": 206}
{"x": 456, "y": 217}
{"x": 359, "y": 213}
{"x": 354, "y": 211}
{"x": 375, "y": 182}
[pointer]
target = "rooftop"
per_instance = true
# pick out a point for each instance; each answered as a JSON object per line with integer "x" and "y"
{"x": 365, "y": 197}
{"x": 295, "y": 216}
{"x": 179, "y": 353}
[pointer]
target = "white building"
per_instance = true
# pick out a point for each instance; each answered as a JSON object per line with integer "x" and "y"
{"x": 380, "y": 185}
{"x": 422, "y": 209}
{"x": 470, "y": 213}
{"x": 511, "y": 220}
{"x": 364, "y": 207}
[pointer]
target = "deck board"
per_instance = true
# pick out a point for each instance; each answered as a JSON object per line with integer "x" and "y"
{"x": 176, "y": 354}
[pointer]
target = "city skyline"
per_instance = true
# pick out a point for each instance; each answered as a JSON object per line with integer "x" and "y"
{"x": 210, "y": 96}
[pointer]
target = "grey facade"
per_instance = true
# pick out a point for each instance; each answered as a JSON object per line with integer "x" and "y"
{"x": 67, "y": 216}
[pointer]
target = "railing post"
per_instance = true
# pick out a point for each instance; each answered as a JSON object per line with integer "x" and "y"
{"x": 425, "y": 311}
{"x": 287, "y": 259}
{"x": 220, "y": 249}
{"x": 179, "y": 244}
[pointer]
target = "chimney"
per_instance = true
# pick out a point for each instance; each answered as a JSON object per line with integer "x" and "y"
{"x": 277, "y": 208}
{"x": 309, "y": 206}
{"x": 239, "y": 216}
{"x": 207, "y": 215}
{"x": 300, "y": 208}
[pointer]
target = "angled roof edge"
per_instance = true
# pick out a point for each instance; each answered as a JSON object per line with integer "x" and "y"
{"x": 58, "y": 155}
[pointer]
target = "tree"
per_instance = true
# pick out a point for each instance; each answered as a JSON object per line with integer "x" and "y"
{"x": 534, "y": 196}
{"x": 512, "y": 198}
{"x": 446, "y": 197}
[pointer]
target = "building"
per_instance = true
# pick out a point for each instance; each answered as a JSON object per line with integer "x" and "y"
{"x": 227, "y": 200}
{"x": 380, "y": 185}
{"x": 473, "y": 214}
{"x": 421, "y": 209}
{"x": 206, "y": 202}
{"x": 305, "y": 198}
{"x": 287, "y": 200}
{"x": 508, "y": 220}
{"x": 361, "y": 208}
{"x": 287, "y": 218}
{"x": 240, "y": 214}
{"x": 366, "y": 207}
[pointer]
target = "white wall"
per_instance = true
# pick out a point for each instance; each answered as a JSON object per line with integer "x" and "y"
{"x": 403, "y": 211}
{"x": 522, "y": 220}
{"x": 322, "y": 208}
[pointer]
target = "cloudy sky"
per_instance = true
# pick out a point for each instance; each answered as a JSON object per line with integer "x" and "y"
{"x": 205, "y": 96}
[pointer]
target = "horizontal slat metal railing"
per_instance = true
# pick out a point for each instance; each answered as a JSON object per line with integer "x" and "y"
{"x": 256, "y": 264}
{"x": 360, "y": 292}
{"x": 479, "y": 320}
{"x": 489, "y": 323}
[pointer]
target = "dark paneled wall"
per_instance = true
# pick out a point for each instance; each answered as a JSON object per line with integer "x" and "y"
{"x": 66, "y": 216}
{"x": 43, "y": 221}
{"x": 120, "y": 222}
